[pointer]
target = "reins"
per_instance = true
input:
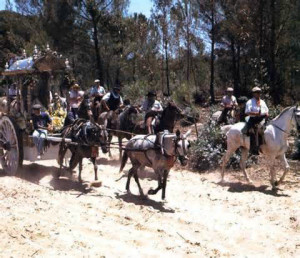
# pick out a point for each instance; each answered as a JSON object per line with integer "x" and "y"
{"x": 293, "y": 115}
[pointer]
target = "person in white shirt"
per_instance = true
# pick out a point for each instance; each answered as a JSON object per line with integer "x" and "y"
{"x": 257, "y": 110}
{"x": 97, "y": 90}
{"x": 151, "y": 107}
{"x": 75, "y": 98}
{"x": 228, "y": 103}
{"x": 113, "y": 100}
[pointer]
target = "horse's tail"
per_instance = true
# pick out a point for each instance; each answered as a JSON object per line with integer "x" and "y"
{"x": 225, "y": 128}
{"x": 124, "y": 160}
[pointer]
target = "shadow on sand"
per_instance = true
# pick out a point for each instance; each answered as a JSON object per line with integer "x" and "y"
{"x": 34, "y": 173}
{"x": 108, "y": 161}
{"x": 138, "y": 200}
{"x": 238, "y": 187}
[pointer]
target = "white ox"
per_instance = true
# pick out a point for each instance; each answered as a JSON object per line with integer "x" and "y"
{"x": 275, "y": 146}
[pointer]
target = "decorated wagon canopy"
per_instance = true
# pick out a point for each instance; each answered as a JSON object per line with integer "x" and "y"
{"x": 47, "y": 61}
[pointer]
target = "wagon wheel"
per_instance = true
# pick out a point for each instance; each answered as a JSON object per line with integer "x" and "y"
{"x": 10, "y": 146}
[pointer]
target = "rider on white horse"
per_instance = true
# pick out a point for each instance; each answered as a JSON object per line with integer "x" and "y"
{"x": 228, "y": 103}
{"x": 257, "y": 111}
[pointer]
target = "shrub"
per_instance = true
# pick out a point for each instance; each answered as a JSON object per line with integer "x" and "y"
{"x": 208, "y": 148}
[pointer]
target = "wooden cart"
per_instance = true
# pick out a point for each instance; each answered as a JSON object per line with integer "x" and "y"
{"x": 32, "y": 78}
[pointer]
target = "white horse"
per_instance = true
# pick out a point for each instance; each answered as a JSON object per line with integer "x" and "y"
{"x": 274, "y": 147}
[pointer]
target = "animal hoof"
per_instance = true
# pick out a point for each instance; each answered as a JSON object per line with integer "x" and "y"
{"x": 151, "y": 192}
{"x": 276, "y": 183}
{"x": 250, "y": 182}
{"x": 222, "y": 182}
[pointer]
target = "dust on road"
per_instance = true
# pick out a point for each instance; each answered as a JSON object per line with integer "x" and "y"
{"x": 44, "y": 217}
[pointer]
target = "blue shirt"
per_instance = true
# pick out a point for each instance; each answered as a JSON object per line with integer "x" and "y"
{"x": 41, "y": 120}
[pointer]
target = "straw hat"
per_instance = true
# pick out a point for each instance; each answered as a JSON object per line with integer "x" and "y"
{"x": 75, "y": 86}
{"x": 229, "y": 89}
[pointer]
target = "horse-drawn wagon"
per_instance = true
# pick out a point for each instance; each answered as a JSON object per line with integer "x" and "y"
{"x": 29, "y": 81}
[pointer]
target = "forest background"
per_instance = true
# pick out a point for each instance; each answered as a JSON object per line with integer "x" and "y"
{"x": 189, "y": 49}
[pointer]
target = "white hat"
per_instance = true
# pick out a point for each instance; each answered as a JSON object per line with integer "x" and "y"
{"x": 229, "y": 89}
{"x": 256, "y": 89}
{"x": 97, "y": 80}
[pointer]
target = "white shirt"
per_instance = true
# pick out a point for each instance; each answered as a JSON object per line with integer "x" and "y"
{"x": 97, "y": 91}
{"x": 253, "y": 106}
{"x": 156, "y": 106}
{"x": 107, "y": 96}
{"x": 75, "y": 94}
{"x": 226, "y": 100}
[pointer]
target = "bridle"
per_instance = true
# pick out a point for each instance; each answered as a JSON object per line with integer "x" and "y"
{"x": 177, "y": 153}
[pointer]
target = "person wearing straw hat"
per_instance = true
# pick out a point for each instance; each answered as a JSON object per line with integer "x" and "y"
{"x": 228, "y": 103}
{"x": 256, "y": 110}
{"x": 97, "y": 90}
{"x": 75, "y": 98}
{"x": 151, "y": 107}
{"x": 42, "y": 123}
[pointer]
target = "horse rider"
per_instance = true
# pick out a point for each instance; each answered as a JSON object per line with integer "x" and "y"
{"x": 97, "y": 90}
{"x": 75, "y": 97}
{"x": 228, "y": 103}
{"x": 152, "y": 108}
{"x": 42, "y": 123}
{"x": 257, "y": 111}
{"x": 240, "y": 114}
{"x": 113, "y": 100}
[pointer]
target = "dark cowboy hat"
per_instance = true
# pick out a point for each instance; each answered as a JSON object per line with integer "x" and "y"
{"x": 36, "y": 106}
{"x": 117, "y": 87}
{"x": 151, "y": 93}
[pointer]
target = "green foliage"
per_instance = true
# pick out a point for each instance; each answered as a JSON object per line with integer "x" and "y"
{"x": 183, "y": 94}
{"x": 135, "y": 91}
{"x": 209, "y": 148}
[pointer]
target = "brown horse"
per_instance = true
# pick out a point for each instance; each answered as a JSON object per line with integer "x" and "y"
{"x": 166, "y": 121}
{"x": 118, "y": 124}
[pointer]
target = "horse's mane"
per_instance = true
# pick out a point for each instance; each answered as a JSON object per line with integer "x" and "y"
{"x": 282, "y": 113}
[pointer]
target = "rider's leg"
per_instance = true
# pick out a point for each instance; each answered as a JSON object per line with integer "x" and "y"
{"x": 149, "y": 125}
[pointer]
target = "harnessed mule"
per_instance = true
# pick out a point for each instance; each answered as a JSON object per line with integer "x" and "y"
{"x": 158, "y": 152}
{"x": 275, "y": 145}
{"x": 86, "y": 138}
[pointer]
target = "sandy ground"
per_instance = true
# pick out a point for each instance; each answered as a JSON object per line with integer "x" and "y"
{"x": 44, "y": 217}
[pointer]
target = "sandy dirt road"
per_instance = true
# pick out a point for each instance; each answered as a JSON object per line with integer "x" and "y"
{"x": 44, "y": 217}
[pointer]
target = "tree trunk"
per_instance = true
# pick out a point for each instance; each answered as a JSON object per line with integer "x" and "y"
{"x": 233, "y": 68}
{"x": 274, "y": 92}
{"x": 212, "y": 55}
{"x": 238, "y": 73}
{"x": 97, "y": 51}
{"x": 167, "y": 66}
{"x": 188, "y": 65}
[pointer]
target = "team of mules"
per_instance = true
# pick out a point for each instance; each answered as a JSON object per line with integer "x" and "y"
{"x": 95, "y": 128}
